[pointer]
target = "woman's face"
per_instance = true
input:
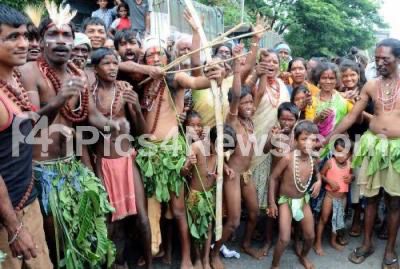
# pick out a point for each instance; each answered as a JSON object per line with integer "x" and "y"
{"x": 272, "y": 64}
{"x": 350, "y": 79}
{"x": 298, "y": 71}
{"x": 328, "y": 81}
{"x": 300, "y": 100}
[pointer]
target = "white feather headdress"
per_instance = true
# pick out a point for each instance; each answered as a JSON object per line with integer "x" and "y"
{"x": 61, "y": 15}
{"x": 35, "y": 13}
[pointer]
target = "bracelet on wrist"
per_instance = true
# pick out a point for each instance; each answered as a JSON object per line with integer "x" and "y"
{"x": 16, "y": 234}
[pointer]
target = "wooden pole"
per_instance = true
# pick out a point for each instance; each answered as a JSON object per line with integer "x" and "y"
{"x": 219, "y": 123}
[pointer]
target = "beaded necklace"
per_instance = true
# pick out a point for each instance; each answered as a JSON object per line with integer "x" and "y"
{"x": 116, "y": 102}
{"x": 275, "y": 94}
{"x": 17, "y": 96}
{"x": 300, "y": 186}
{"x": 247, "y": 125}
{"x": 388, "y": 97}
{"x": 77, "y": 115}
{"x": 149, "y": 102}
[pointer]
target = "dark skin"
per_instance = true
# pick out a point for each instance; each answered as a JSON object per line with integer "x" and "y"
{"x": 107, "y": 71}
{"x": 381, "y": 123}
{"x": 56, "y": 45}
{"x": 281, "y": 181}
{"x": 327, "y": 203}
{"x": 241, "y": 110}
{"x": 168, "y": 127}
{"x": 13, "y": 53}
{"x": 80, "y": 55}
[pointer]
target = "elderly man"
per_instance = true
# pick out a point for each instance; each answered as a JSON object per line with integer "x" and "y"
{"x": 81, "y": 50}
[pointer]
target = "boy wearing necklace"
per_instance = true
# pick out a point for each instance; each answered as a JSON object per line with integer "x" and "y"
{"x": 117, "y": 100}
{"x": 241, "y": 185}
{"x": 292, "y": 178}
{"x": 202, "y": 166}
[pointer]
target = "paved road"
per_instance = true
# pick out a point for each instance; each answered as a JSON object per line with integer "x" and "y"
{"x": 333, "y": 259}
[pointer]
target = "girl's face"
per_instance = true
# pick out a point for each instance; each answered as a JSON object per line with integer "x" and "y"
{"x": 107, "y": 69}
{"x": 341, "y": 154}
{"x": 300, "y": 100}
{"x": 195, "y": 128}
{"x": 350, "y": 79}
{"x": 328, "y": 81}
{"x": 298, "y": 71}
{"x": 122, "y": 12}
{"x": 287, "y": 121}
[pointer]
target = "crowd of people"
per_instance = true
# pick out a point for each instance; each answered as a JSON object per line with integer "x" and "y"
{"x": 103, "y": 148}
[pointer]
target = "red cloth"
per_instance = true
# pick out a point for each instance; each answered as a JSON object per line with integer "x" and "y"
{"x": 119, "y": 182}
{"x": 124, "y": 23}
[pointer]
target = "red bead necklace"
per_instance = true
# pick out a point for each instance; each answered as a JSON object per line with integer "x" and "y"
{"x": 20, "y": 98}
{"x": 160, "y": 93}
{"x": 69, "y": 113}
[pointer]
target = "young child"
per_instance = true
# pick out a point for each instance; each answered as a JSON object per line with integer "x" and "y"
{"x": 241, "y": 185}
{"x": 194, "y": 126}
{"x": 104, "y": 13}
{"x": 292, "y": 177}
{"x": 337, "y": 174}
{"x": 280, "y": 139}
{"x": 122, "y": 22}
{"x": 200, "y": 203}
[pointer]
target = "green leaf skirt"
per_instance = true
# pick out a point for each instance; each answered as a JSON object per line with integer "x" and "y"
{"x": 160, "y": 163}
{"x": 79, "y": 205}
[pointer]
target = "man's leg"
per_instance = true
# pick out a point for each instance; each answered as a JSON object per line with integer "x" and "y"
{"x": 142, "y": 220}
{"x": 249, "y": 194}
{"x": 233, "y": 207}
{"x": 393, "y": 219}
{"x": 178, "y": 209}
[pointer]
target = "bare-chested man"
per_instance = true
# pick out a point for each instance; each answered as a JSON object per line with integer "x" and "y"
{"x": 161, "y": 158}
{"x": 51, "y": 81}
{"x": 116, "y": 99}
{"x": 376, "y": 153}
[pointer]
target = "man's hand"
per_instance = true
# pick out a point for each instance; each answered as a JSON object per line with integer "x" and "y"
{"x": 214, "y": 72}
{"x": 131, "y": 98}
{"x": 23, "y": 246}
{"x": 229, "y": 172}
{"x": 156, "y": 72}
{"x": 70, "y": 88}
{"x": 189, "y": 19}
{"x": 272, "y": 211}
{"x": 237, "y": 50}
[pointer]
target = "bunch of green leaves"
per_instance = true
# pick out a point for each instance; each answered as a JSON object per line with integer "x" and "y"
{"x": 161, "y": 164}
{"x": 200, "y": 214}
{"x": 79, "y": 204}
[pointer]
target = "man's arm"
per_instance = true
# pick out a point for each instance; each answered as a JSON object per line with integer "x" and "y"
{"x": 236, "y": 85}
{"x": 185, "y": 81}
{"x": 147, "y": 22}
{"x": 196, "y": 41}
{"x": 22, "y": 244}
{"x": 132, "y": 67}
{"x": 353, "y": 115}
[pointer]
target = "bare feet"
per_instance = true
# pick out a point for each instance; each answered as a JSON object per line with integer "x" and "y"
{"x": 187, "y": 265}
{"x": 206, "y": 265}
{"x": 255, "y": 253}
{"x": 198, "y": 265}
{"x": 336, "y": 246}
{"x": 298, "y": 247}
{"x": 265, "y": 249}
{"x": 306, "y": 263}
{"x": 216, "y": 262}
{"x": 318, "y": 250}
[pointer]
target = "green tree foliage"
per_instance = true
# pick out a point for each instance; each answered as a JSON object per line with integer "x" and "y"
{"x": 312, "y": 27}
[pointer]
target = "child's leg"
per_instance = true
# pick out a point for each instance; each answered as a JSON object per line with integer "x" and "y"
{"x": 179, "y": 212}
{"x": 233, "y": 207}
{"x": 323, "y": 220}
{"x": 249, "y": 194}
{"x": 285, "y": 226}
{"x": 142, "y": 220}
{"x": 307, "y": 225}
{"x": 197, "y": 256}
{"x": 269, "y": 230}
{"x": 206, "y": 250}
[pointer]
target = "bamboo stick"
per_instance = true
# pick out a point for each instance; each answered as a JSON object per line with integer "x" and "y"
{"x": 211, "y": 64}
